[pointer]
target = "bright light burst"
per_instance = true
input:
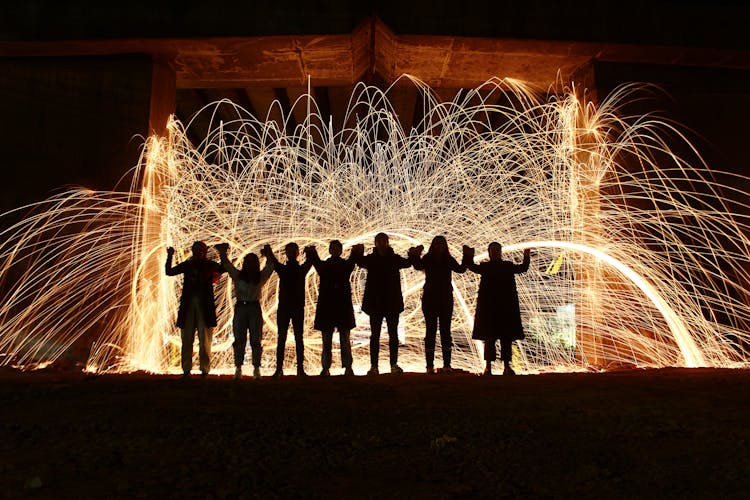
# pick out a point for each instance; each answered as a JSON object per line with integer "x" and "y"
{"x": 640, "y": 255}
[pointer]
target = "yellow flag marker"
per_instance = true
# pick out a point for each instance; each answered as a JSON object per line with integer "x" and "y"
{"x": 554, "y": 266}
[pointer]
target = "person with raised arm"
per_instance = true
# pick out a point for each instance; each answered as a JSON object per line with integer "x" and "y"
{"x": 248, "y": 283}
{"x": 197, "y": 311}
{"x": 334, "y": 309}
{"x": 383, "y": 298}
{"x": 498, "y": 313}
{"x": 437, "y": 297}
{"x": 291, "y": 305}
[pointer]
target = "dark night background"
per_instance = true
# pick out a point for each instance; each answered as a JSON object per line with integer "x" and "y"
{"x": 73, "y": 118}
{"x": 81, "y": 80}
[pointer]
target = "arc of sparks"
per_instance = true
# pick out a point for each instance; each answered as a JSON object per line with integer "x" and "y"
{"x": 503, "y": 161}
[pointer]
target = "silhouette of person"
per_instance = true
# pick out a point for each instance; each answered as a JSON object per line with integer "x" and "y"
{"x": 498, "y": 314}
{"x": 437, "y": 297}
{"x": 291, "y": 305}
{"x": 248, "y": 316}
{"x": 334, "y": 309}
{"x": 197, "y": 309}
{"x": 382, "y": 297}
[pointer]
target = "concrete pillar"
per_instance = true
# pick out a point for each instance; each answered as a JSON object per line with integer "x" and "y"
{"x": 589, "y": 308}
{"x": 585, "y": 205}
{"x": 143, "y": 341}
{"x": 74, "y": 120}
{"x": 162, "y": 99}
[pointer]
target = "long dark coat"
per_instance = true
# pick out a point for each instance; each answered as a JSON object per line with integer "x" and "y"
{"x": 197, "y": 280}
{"x": 383, "y": 286}
{"x": 437, "y": 293}
{"x": 335, "y": 309}
{"x": 498, "y": 314}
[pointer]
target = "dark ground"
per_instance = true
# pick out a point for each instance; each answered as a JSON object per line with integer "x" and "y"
{"x": 672, "y": 433}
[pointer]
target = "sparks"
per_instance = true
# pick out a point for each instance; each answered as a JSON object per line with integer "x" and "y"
{"x": 648, "y": 250}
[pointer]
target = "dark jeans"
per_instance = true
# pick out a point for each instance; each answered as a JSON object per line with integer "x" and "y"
{"x": 346, "y": 349}
{"x": 297, "y": 318}
{"x": 194, "y": 320}
{"x": 431, "y": 318}
{"x": 376, "y": 322}
{"x": 247, "y": 316}
{"x": 506, "y": 350}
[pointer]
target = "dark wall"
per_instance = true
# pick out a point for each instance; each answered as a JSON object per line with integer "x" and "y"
{"x": 70, "y": 121}
{"x": 711, "y": 104}
{"x": 704, "y": 23}
{"x": 86, "y": 19}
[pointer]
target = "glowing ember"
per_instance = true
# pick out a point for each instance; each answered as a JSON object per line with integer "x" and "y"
{"x": 639, "y": 255}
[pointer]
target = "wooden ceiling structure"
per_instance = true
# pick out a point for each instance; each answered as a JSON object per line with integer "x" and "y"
{"x": 256, "y": 71}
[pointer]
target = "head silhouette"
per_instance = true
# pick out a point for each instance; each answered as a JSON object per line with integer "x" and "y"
{"x": 292, "y": 251}
{"x": 200, "y": 250}
{"x": 250, "y": 271}
{"x": 438, "y": 246}
{"x": 495, "y": 251}
{"x": 335, "y": 248}
{"x": 251, "y": 263}
{"x": 382, "y": 243}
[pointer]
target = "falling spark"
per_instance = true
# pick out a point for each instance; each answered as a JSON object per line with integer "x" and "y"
{"x": 640, "y": 257}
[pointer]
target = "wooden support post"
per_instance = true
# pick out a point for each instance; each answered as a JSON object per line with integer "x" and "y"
{"x": 162, "y": 102}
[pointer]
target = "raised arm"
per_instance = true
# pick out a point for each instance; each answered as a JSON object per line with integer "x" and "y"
{"x": 222, "y": 248}
{"x": 358, "y": 255}
{"x": 351, "y": 261}
{"x": 168, "y": 269}
{"x": 468, "y": 259}
{"x": 310, "y": 257}
{"x": 265, "y": 273}
{"x": 456, "y": 267}
{"x": 415, "y": 257}
{"x": 402, "y": 262}
{"x": 268, "y": 252}
{"x": 523, "y": 266}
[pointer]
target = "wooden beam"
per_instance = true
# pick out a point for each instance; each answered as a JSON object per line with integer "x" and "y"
{"x": 278, "y": 61}
{"x": 584, "y": 79}
{"x": 338, "y": 101}
{"x": 187, "y": 103}
{"x": 241, "y": 98}
{"x": 343, "y": 59}
{"x": 403, "y": 99}
{"x": 162, "y": 100}
{"x": 286, "y": 107}
{"x": 446, "y": 94}
{"x": 298, "y": 95}
{"x": 262, "y": 99}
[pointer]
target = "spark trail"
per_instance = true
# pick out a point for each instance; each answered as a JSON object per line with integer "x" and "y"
{"x": 650, "y": 251}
